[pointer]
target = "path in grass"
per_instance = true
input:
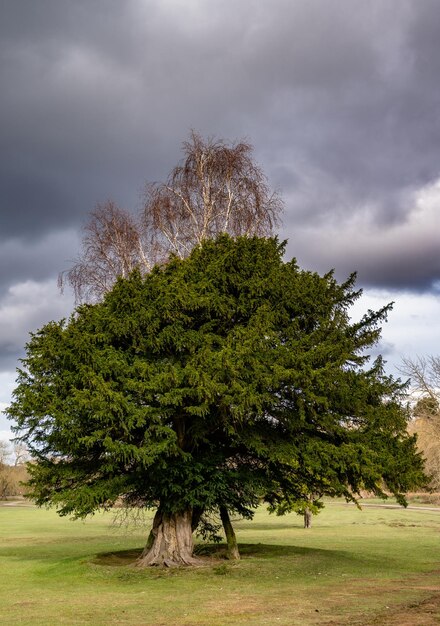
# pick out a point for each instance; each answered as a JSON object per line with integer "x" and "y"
{"x": 370, "y": 567}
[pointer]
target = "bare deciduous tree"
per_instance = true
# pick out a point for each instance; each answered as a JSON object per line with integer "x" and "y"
{"x": 5, "y": 452}
{"x": 21, "y": 454}
{"x": 216, "y": 189}
{"x": 113, "y": 245}
{"x": 424, "y": 373}
{"x": 5, "y": 481}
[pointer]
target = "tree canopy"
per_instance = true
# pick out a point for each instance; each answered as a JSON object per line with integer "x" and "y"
{"x": 212, "y": 383}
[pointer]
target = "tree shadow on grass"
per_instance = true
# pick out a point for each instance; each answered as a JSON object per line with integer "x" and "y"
{"x": 218, "y": 551}
{"x": 296, "y": 524}
{"x": 289, "y": 556}
{"x": 117, "y": 558}
{"x": 266, "y": 550}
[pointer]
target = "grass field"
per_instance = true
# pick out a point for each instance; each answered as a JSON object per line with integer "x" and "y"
{"x": 375, "y": 566}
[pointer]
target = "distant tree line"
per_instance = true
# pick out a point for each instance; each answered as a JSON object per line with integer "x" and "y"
{"x": 13, "y": 471}
{"x": 424, "y": 375}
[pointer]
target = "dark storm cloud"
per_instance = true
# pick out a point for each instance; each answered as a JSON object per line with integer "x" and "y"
{"x": 341, "y": 105}
{"x": 77, "y": 123}
{"x": 36, "y": 258}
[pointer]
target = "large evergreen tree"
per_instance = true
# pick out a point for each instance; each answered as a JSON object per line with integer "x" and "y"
{"x": 208, "y": 385}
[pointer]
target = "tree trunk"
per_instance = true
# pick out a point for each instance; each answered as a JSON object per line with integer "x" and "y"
{"x": 307, "y": 518}
{"x": 196, "y": 516}
{"x": 231, "y": 539}
{"x": 170, "y": 543}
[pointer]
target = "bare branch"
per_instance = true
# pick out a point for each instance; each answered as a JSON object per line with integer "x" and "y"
{"x": 216, "y": 189}
{"x": 5, "y": 452}
{"x": 113, "y": 246}
{"x": 424, "y": 373}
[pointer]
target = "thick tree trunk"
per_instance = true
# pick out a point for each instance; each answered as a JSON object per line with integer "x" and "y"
{"x": 307, "y": 518}
{"x": 170, "y": 543}
{"x": 231, "y": 539}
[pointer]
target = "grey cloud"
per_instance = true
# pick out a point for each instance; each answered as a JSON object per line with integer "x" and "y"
{"x": 400, "y": 255}
{"x": 402, "y": 270}
{"x": 26, "y": 307}
{"x": 341, "y": 105}
{"x": 38, "y": 259}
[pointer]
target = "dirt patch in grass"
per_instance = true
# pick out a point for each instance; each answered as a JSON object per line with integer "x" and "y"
{"x": 410, "y": 602}
{"x": 425, "y": 612}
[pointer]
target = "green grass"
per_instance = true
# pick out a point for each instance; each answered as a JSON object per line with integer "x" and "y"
{"x": 352, "y": 567}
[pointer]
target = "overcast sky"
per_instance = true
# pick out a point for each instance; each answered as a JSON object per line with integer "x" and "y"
{"x": 340, "y": 100}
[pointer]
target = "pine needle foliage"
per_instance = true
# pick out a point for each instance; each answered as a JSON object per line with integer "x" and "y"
{"x": 221, "y": 379}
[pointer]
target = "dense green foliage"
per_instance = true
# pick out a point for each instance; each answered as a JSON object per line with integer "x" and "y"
{"x": 220, "y": 379}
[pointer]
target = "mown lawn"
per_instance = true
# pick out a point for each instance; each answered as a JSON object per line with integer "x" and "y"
{"x": 375, "y": 566}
